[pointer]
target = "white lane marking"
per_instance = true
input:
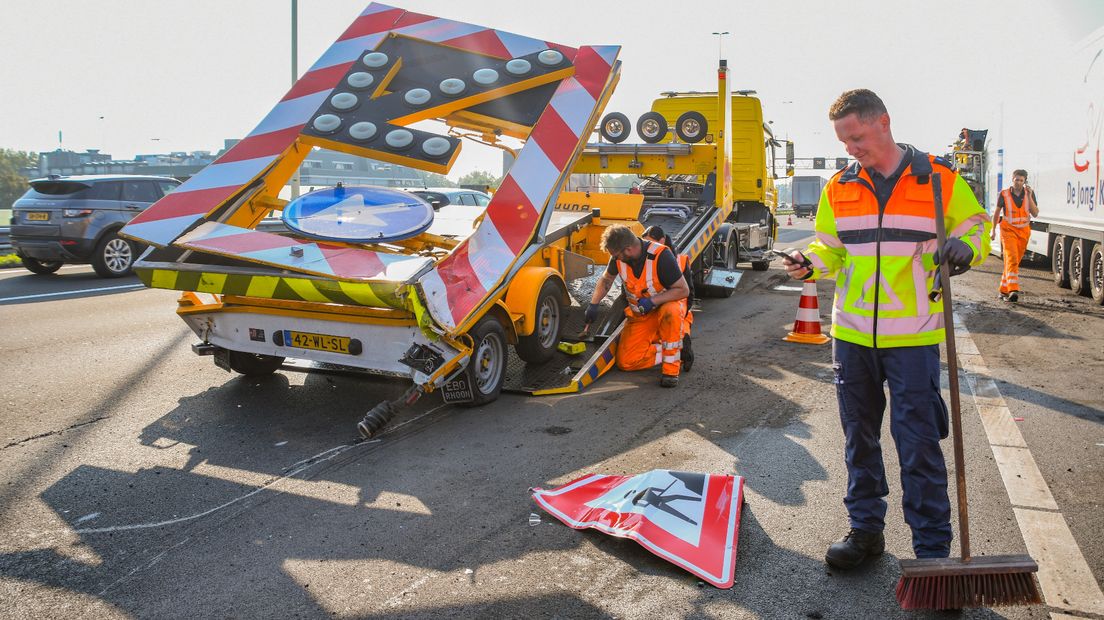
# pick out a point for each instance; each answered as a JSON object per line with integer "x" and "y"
{"x": 77, "y": 292}
{"x": 1065, "y": 578}
{"x": 999, "y": 426}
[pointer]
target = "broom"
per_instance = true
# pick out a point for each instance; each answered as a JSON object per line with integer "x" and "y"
{"x": 954, "y": 583}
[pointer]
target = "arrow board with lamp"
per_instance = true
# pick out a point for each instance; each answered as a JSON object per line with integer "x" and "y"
{"x": 358, "y": 215}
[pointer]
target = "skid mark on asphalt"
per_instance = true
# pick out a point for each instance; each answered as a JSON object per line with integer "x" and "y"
{"x": 1064, "y": 575}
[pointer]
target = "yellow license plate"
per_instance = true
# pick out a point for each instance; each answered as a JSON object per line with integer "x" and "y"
{"x": 317, "y": 342}
{"x": 38, "y": 217}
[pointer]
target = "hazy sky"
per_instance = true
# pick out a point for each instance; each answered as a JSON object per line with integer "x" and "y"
{"x": 185, "y": 74}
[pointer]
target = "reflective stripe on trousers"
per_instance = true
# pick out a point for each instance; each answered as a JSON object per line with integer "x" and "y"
{"x": 1013, "y": 248}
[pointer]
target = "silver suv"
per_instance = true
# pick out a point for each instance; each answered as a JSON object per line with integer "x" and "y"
{"x": 76, "y": 219}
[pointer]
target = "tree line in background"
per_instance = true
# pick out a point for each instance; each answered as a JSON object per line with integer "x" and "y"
{"x": 12, "y": 184}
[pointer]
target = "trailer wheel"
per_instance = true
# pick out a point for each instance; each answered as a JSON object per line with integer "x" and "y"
{"x": 41, "y": 267}
{"x": 651, "y": 127}
{"x": 486, "y": 371}
{"x": 615, "y": 127}
{"x": 254, "y": 364}
{"x": 1079, "y": 266}
{"x": 1096, "y": 273}
{"x": 691, "y": 127}
{"x": 1059, "y": 265}
{"x": 539, "y": 346}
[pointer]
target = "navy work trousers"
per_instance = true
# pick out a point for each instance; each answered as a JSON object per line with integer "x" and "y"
{"x": 918, "y": 420}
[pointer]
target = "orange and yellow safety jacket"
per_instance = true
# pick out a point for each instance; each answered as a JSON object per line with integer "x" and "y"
{"x": 647, "y": 284}
{"x": 881, "y": 255}
{"x": 1015, "y": 217}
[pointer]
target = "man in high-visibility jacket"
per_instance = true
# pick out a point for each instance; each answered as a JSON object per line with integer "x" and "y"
{"x": 656, "y": 294}
{"x": 1017, "y": 206}
{"x": 875, "y": 234}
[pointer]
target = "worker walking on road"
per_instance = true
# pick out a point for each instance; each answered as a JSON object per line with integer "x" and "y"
{"x": 875, "y": 234}
{"x": 656, "y": 294}
{"x": 656, "y": 234}
{"x": 1015, "y": 208}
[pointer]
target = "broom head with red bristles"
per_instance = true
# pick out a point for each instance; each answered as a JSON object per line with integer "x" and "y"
{"x": 953, "y": 583}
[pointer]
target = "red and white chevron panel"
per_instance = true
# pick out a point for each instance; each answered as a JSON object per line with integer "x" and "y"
{"x": 464, "y": 279}
{"x": 274, "y": 135}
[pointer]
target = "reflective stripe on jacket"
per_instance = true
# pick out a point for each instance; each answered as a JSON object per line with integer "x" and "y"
{"x": 881, "y": 258}
{"x": 1014, "y": 216}
{"x": 647, "y": 284}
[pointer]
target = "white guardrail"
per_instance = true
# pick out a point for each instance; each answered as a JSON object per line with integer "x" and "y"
{"x": 5, "y": 240}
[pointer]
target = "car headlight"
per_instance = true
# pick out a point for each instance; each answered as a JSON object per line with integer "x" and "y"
{"x": 76, "y": 212}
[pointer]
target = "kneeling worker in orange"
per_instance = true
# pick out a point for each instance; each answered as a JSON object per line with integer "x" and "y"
{"x": 656, "y": 293}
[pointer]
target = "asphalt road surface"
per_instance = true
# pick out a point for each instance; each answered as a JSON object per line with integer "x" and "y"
{"x": 138, "y": 480}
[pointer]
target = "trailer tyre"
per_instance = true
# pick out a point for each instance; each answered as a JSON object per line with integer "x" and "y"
{"x": 1096, "y": 273}
{"x": 615, "y": 127}
{"x": 486, "y": 371}
{"x": 691, "y": 127}
{"x": 41, "y": 267}
{"x": 539, "y": 346}
{"x": 254, "y": 364}
{"x": 1079, "y": 266}
{"x": 1059, "y": 264}
{"x": 651, "y": 127}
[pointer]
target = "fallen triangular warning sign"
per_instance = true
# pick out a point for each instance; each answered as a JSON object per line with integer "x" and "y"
{"x": 687, "y": 518}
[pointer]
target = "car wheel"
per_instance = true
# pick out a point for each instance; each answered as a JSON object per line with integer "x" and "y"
{"x": 1096, "y": 273}
{"x": 539, "y": 346}
{"x": 254, "y": 364}
{"x": 1059, "y": 266}
{"x": 651, "y": 127}
{"x": 41, "y": 267}
{"x": 691, "y": 127}
{"x": 615, "y": 127}
{"x": 114, "y": 257}
{"x": 486, "y": 371}
{"x": 1079, "y": 267}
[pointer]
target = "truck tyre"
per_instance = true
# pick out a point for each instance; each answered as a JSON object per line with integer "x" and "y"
{"x": 41, "y": 267}
{"x": 539, "y": 346}
{"x": 1096, "y": 273}
{"x": 615, "y": 127}
{"x": 651, "y": 127}
{"x": 1059, "y": 264}
{"x": 486, "y": 371}
{"x": 254, "y": 364}
{"x": 1079, "y": 266}
{"x": 114, "y": 256}
{"x": 691, "y": 127}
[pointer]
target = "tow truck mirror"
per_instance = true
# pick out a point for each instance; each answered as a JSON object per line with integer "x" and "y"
{"x": 789, "y": 157}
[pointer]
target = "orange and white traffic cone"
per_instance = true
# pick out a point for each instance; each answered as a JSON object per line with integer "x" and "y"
{"x": 806, "y": 329}
{"x": 789, "y": 220}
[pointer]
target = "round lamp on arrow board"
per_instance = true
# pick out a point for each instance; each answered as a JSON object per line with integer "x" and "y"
{"x": 358, "y": 215}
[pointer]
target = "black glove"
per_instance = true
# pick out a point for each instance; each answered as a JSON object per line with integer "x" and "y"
{"x": 646, "y": 305}
{"x": 957, "y": 253}
{"x": 591, "y": 313}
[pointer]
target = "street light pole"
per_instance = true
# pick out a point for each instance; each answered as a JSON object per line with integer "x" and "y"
{"x": 720, "y": 39}
{"x": 294, "y": 77}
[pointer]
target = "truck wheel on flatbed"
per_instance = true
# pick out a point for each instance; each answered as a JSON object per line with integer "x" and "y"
{"x": 254, "y": 364}
{"x": 539, "y": 346}
{"x": 1059, "y": 264}
{"x": 486, "y": 371}
{"x": 1079, "y": 266}
{"x": 1096, "y": 273}
{"x": 615, "y": 127}
{"x": 651, "y": 127}
{"x": 691, "y": 127}
{"x": 41, "y": 267}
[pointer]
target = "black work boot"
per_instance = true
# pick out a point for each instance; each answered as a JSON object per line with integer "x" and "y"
{"x": 668, "y": 381}
{"x": 687, "y": 354}
{"x": 1014, "y": 296}
{"x": 851, "y": 550}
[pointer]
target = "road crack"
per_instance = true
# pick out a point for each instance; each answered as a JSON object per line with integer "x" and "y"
{"x": 58, "y": 432}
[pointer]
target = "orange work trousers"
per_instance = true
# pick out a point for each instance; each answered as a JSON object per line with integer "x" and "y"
{"x": 654, "y": 338}
{"x": 1013, "y": 247}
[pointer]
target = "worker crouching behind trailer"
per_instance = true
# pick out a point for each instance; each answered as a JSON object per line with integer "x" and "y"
{"x": 656, "y": 293}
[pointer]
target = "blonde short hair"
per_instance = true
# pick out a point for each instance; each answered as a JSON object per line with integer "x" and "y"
{"x": 617, "y": 239}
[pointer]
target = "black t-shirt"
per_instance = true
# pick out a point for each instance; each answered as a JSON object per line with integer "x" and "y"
{"x": 883, "y": 186}
{"x": 666, "y": 265}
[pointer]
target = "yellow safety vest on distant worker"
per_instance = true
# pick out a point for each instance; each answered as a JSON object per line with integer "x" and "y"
{"x": 882, "y": 259}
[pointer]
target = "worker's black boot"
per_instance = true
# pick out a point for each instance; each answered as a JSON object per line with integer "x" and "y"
{"x": 668, "y": 381}
{"x": 851, "y": 550}
{"x": 687, "y": 354}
